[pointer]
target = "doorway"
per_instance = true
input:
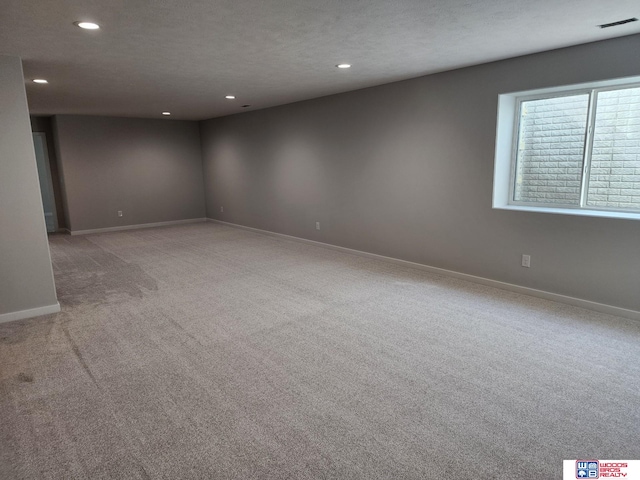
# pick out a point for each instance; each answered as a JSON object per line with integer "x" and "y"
{"x": 46, "y": 182}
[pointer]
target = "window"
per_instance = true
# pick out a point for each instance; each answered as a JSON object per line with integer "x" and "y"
{"x": 570, "y": 150}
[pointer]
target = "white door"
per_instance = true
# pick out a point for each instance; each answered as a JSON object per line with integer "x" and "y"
{"x": 46, "y": 184}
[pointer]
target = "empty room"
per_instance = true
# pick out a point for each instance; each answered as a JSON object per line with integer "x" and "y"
{"x": 319, "y": 240}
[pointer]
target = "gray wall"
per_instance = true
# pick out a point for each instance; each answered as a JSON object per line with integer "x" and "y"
{"x": 405, "y": 170}
{"x": 26, "y": 277}
{"x": 149, "y": 169}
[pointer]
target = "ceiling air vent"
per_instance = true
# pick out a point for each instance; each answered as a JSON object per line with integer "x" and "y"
{"x": 621, "y": 22}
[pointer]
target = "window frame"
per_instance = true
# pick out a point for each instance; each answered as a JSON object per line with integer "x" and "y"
{"x": 506, "y": 159}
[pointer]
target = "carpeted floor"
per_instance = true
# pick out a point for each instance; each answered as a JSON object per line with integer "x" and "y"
{"x": 204, "y": 351}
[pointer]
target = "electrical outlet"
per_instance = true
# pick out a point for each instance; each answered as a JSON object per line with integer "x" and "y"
{"x": 119, "y": 213}
{"x": 526, "y": 261}
{"x": 317, "y": 225}
{"x": 221, "y": 209}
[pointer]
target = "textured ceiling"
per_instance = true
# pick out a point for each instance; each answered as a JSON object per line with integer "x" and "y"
{"x": 185, "y": 56}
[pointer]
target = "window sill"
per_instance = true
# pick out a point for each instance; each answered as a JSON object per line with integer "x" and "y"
{"x": 572, "y": 211}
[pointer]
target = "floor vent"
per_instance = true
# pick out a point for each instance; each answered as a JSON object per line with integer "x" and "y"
{"x": 621, "y": 22}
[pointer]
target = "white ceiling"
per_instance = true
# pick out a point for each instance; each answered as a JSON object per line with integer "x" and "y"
{"x": 186, "y": 55}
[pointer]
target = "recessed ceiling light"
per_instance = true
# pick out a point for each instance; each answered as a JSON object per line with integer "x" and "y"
{"x": 87, "y": 25}
{"x": 344, "y": 65}
{"x": 230, "y": 97}
{"x": 166, "y": 113}
{"x": 39, "y": 80}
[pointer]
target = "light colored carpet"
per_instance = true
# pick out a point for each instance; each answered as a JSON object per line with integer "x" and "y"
{"x": 204, "y": 351}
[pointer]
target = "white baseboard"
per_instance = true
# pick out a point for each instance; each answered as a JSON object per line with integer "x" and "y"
{"x": 134, "y": 227}
{"x": 31, "y": 312}
{"x": 556, "y": 297}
